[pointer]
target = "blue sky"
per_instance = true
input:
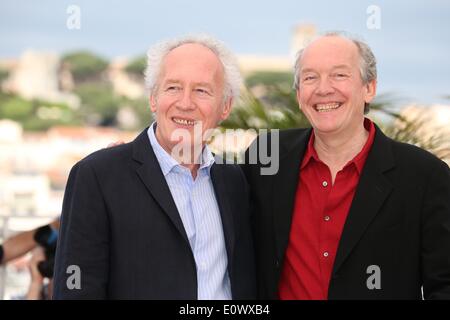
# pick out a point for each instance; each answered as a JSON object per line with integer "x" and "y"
{"x": 412, "y": 45}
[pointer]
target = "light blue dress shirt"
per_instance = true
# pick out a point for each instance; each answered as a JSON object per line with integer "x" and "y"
{"x": 197, "y": 205}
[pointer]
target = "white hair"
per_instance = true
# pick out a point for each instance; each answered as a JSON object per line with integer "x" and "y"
{"x": 157, "y": 53}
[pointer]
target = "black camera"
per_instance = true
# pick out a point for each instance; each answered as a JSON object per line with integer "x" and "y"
{"x": 47, "y": 238}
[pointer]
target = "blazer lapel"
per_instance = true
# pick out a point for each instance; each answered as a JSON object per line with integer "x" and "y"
{"x": 285, "y": 187}
{"x": 372, "y": 190}
{"x": 223, "y": 198}
{"x": 151, "y": 175}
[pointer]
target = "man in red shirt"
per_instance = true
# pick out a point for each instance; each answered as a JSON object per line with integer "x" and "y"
{"x": 351, "y": 214}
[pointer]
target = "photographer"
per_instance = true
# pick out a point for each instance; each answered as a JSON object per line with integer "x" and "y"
{"x": 23, "y": 242}
{"x": 42, "y": 241}
{"x": 38, "y": 290}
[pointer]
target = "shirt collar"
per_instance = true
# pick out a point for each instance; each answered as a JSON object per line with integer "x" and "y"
{"x": 310, "y": 152}
{"x": 361, "y": 157}
{"x": 168, "y": 163}
{"x": 358, "y": 160}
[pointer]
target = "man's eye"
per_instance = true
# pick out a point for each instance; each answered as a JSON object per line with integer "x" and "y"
{"x": 340, "y": 75}
{"x": 309, "y": 78}
{"x": 173, "y": 88}
{"x": 202, "y": 91}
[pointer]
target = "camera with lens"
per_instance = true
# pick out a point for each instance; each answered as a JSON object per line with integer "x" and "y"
{"x": 47, "y": 238}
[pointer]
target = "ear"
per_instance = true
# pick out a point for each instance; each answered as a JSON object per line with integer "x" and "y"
{"x": 152, "y": 103}
{"x": 226, "y": 110}
{"x": 371, "y": 91}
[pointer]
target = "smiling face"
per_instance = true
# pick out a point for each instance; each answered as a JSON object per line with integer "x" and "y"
{"x": 189, "y": 93}
{"x": 331, "y": 91}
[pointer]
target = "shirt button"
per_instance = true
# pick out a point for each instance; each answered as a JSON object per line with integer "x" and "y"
{"x": 327, "y": 218}
{"x": 325, "y": 254}
{"x": 324, "y": 183}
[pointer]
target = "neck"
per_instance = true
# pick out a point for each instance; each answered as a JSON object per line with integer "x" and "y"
{"x": 193, "y": 168}
{"x": 186, "y": 155}
{"x": 337, "y": 149}
{"x": 191, "y": 161}
{"x": 189, "y": 157}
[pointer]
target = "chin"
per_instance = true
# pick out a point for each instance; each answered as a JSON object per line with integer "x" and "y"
{"x": 329, "y": 127}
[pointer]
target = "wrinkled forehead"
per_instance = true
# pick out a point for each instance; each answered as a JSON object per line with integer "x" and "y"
{"x": 330, "y": 51}
{"x": 193, "y": 55}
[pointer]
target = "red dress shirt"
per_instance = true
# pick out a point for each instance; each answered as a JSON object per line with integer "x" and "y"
{"x": 320, "y": 211}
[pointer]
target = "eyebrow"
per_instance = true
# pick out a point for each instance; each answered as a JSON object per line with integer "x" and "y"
{"x": 341, "y": 66}
{"x": 307, "y": 70}
{"x": 203, "y": 84}
{"x": 170, "y": 81}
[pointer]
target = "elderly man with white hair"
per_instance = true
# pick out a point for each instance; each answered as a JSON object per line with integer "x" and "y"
{"x": 157, "y": 218}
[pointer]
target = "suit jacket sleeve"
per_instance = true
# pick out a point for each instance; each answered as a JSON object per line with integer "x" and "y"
{"x": 436, "y": 235}
{"x": 84, "y": 237}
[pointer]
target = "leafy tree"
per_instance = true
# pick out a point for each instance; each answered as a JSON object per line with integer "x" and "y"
{"x": 35, "y": 114}
{"x": 99, "y": 105}
{"x": 267, "y": 102}
{"x": 269, "y": 78}
{"x": 15, "y": 108}
{"x": 137, "y": 66}
{"x": 140, "y": 108}
{"x": 85, "y": 66}
{"x": 255, "y": 113}
{"x": 3, "y": 75}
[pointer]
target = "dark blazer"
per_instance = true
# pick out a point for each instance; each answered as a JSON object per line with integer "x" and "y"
{"x": 399, "y": 220}
{"x": 121, "y": 226}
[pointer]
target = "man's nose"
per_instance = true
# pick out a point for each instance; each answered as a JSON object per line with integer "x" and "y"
{"x": 185, "y": 102}
{"x": 324, "y": 87}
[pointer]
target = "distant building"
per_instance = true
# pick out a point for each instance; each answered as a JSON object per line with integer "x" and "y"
{"x": 36, "y": 76}
{"x": 10, "y": 131}
{"x": 253, "y": 63}
{"x": 302, "y": 34}
{"x": 41, "y": 75}
{"x": 123, "y": 84}
{"x": 34, "y": 166}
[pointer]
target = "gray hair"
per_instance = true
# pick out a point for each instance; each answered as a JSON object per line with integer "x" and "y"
{"x": 157, "y": 53}
{"x": 368, "y": 62}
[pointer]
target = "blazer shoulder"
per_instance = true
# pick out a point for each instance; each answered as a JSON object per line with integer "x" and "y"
{"x": 293, "y": 134}
{"x": 230, "y": 170}
{"x": 414, "y": 155}
{"x": 417, "y": 160}
{"x": 107, "y": 157}
{"x": 286, "y": 134}
{"x": 287, "y": 137}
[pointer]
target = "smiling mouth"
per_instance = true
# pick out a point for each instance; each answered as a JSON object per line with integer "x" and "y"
{"x": 327, "y": 107}
{"x": 184, "y": 122}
